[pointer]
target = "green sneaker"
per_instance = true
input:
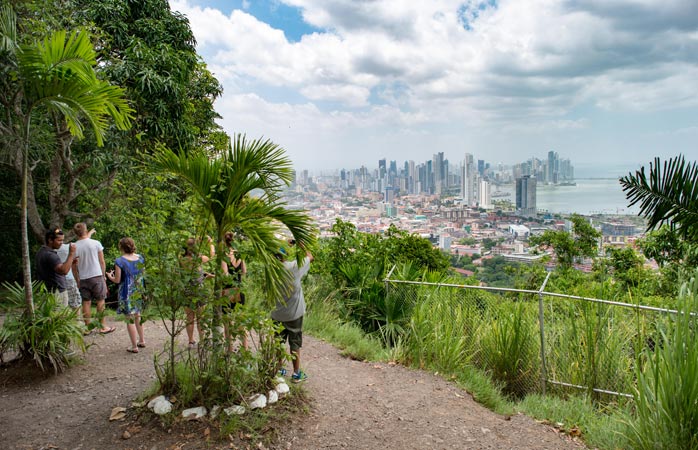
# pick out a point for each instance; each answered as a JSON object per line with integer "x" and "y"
{"x": 299, "y": 376}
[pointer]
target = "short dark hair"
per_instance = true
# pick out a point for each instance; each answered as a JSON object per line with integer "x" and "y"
{"x": 52, "y": 233}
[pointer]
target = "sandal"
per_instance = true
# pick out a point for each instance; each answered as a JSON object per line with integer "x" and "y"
{"x": 141, "y": 345}
{"x": 107, "y": 330}
{"x": 132, "y": 350}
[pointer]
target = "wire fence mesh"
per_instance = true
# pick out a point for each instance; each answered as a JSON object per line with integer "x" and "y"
{"x": 588, "y": 344}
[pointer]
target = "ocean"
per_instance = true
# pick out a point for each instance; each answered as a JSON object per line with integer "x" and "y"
{"x": 589, "y": 196}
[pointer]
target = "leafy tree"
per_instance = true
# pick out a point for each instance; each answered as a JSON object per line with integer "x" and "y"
{"x": 402, "y": 246}
{"x": 663, "y": 245}
{"x": 626, "y": 265}
{"x": 583, "y": 241}
{"x": 150, "y": 50}
{"x": 55, "y": 78}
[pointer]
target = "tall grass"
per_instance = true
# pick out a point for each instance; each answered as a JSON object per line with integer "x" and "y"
{"x": 509, "y": 346}
{"x": 440, "y": 330}
{"x": 323, "y": 320}
{"x": 591, "y": 345}
{"x": 666, "y": 398}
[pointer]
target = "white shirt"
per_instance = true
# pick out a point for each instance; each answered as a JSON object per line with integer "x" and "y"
{"x": 63, "y": 254}
{"x": 87, "y": 250}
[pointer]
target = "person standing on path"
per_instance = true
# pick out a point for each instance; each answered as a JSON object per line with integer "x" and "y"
{"x": 50, "y": 269}
{"x": 290, "y": 310}
{"x": 90, "y": 273}
{"x": 128, "y": 274}
{"x": 192, "y": 264}
{"x": 234, "y": 269}
{"x": 74, "y": 299}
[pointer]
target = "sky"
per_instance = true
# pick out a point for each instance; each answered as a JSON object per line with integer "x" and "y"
{"x": 344, "y": 83}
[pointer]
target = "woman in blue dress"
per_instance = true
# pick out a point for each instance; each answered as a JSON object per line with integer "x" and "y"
{"x": 128, "y": 274}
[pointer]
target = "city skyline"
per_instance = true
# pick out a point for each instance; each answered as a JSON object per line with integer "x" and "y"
{"x": 338, "y": 83}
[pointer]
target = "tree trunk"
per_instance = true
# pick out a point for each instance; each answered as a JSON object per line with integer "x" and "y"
{"x": 26, "y": 264}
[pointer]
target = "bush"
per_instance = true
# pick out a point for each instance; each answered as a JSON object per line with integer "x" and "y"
{"x": 666, "y": 416}
{"x": 47, "y": 337}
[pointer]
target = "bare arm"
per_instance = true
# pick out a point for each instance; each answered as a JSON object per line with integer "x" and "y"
{"x": 115, "y": 275}
{"x": 67, "y": 265}
{"x": 102, "y": 264}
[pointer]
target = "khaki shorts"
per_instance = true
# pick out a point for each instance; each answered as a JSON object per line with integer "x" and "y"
{"x": 94, "y": 288}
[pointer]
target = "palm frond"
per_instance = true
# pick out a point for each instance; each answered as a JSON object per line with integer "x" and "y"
{"x": 58, "y": 74}
{"x": 668, "y": 194}
{"x": 8, "y": 29}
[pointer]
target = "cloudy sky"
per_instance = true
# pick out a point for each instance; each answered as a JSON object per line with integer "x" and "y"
{"x": 343, "y": 83}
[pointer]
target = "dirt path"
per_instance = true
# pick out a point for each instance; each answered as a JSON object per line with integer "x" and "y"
{"x": 355, "y": 406}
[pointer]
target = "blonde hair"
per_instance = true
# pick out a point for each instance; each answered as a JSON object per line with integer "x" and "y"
{"x": 80, "y": 229}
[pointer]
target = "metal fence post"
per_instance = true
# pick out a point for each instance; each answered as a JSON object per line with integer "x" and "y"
{"x": 541, "y": 324}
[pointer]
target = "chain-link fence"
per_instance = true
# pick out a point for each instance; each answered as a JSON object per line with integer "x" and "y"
{"x": 588, "y": 344}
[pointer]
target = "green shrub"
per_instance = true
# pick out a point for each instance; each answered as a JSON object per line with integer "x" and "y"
{"x": 48, "y": 336}
{"x": 666, "y": 415}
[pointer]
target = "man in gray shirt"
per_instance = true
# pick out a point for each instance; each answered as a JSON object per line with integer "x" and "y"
{"x": 290, "y": 310}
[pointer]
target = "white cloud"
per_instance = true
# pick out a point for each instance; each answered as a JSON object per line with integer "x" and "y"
{"x": 475, "y": 66}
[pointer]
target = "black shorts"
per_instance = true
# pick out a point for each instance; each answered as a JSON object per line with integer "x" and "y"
{"x": 237, "y": 300}
{"x": 293, "y": 332}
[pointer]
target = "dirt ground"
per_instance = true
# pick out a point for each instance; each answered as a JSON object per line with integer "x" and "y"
{"x": 354, "y": 405}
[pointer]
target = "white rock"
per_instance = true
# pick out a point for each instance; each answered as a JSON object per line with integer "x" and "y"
{"x": 237, "y": 409}
{"x": 282, "y": 389}
{"x": 151, "y": 404}
{"x": 194, "y": 413}
{"x": 215, "y": 411}
{"x": 272, "y": 397}
{"x": 258, "y": 401}
{"x": 279, "y": 380}
{"x": 162, "y": 407}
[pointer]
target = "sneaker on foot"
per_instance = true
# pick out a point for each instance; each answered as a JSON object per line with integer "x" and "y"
{"x": 299, "y": 376}
{"x": 283, "y": 372}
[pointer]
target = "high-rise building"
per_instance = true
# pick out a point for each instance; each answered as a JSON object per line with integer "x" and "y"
{"x": 526, "y": 196}
{"x": 439, "y": 175}
{"x": 468, "y": 184}
{"x": 411, "y": 178}
{"x": 381, "y": 168}
{"x": 485, "y": 200}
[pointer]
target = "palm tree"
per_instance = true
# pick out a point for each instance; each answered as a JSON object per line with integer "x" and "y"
{"x": 240, "y": 190}
{"x": 55, "y": 77}
{"x": 668, "y": 194}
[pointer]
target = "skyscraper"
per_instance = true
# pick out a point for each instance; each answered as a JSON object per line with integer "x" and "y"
{"x": 485, "y": 200}
{"x": 439, "y": 176}
{"x": 468, "y": 183}
{"x": 526, "y": 196}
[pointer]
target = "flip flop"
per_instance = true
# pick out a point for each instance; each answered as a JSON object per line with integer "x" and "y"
{"x": 107, "y": 331}
{"x": 141, "y": 345}
{"x": 131, "y": 350}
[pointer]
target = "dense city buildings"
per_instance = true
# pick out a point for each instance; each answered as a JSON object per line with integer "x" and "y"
{"x": 469, "y": 208}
